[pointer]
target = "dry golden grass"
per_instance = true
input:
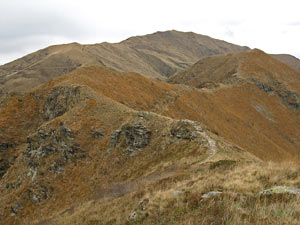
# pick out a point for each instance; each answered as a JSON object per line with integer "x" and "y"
{"x": 239, "y": 203}
{"x": 104, "y": 188}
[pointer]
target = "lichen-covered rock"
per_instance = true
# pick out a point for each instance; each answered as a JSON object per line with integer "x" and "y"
{"x": 5, "y": 146}
{"x": 263, "y": 86}
{"x": 137, "y": 136}
{"x": 59, "y": 100}
{"x": 290, "y": 98}
{"x": 98, "y": 134}
{"x": 15, "y": 209}
{"x": 280, "y": 190}
{"x": 134, "y": 138}
{"x": 4, "y": 166}
{"x": 51, "y": 142}
{"x": 67, "y": 132}
{"x": 40, "y": 192}
{"x": 186, "y": 129}
{"x": 114, "y": 138}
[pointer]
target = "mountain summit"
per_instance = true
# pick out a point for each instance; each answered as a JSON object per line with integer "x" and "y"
{"x": 155, "y": 55}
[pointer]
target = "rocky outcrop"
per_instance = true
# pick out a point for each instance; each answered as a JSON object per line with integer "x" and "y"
{"x": 59, "y": 100}
{"x": 133, "y": 138}
{"x": 290, "y": 98}
{"x": 51, "y": 142}
{"x": 137, "y": 136}
{"x": 114, "y": 138}
{"x": 186, "y": 129}
{"x": 15, "y": 209}
{"x": 98, "y": 134}
{"x": 5, "y": 146}
{"x": 4, "y": 166}
{"x": 40, "y": 192}
{"x": 262, "y": 86}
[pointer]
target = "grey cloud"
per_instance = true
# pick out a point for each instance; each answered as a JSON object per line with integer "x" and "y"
{"x": 29, "y": 24}
{"x": 38, "y": 25}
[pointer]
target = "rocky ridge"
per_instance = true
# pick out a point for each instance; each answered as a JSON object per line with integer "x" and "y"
{"x": 95, "y": 137}
{"x": 74, "y": 131}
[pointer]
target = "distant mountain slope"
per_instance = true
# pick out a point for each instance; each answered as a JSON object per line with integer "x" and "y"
{"x": 42, "y": 66}
{"x": 238, "y": 68}
{"x": 156, "y": 55}
{"x": 290, "y": 60}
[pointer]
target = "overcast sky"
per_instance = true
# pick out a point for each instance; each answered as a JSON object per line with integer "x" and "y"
{"x": 29, "y": 25}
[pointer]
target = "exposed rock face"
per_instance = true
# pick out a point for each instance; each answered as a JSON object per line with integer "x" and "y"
{"x": 98, "y": 134}
{"x": 185, "y": 129}
{"x": 137, "y": 136}
{"x": 114, "y": 138}
{"x": 40, "y": 192}
{"x": 4, "y": 165}
{"x": 15, "y": 209}
{"x": 59, "y": 100}
{"x": 288, "y": 97}
{"x": 133, "y": 138}
{"x": 6, "y": 162}
{"x": 46, "y": 142}
{"x": 262, "y": 86}
{"x": 6, "y": 146}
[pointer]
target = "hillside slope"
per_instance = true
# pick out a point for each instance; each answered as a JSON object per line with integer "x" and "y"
{"x": 69, "y": 142}
{"x": 250, "y": 86}
{"x": 238, "y": 67}
{"x": 96, "y": 137}
{"x": 156, "y": 55}
{"x": 290, "y": 60}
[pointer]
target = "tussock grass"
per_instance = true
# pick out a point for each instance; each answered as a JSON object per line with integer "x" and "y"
{"x": 178, "y": 199}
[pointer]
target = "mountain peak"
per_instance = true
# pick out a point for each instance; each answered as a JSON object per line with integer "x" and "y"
{"x": 157, "y": 55}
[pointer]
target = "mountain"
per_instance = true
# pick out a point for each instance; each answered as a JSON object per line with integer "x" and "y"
{"x": 238, "y": 67}
{"x": 156, "y": 55}
{"x": 290, "y": 60}
{"x": 215, "y": 140}
{"x": 257, "y": 90}
{"x": 99, "y": 146}
{"x": 88, "y": 136}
